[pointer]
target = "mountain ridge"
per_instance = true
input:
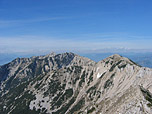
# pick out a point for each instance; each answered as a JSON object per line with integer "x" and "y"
{"x": 68, "y": 83}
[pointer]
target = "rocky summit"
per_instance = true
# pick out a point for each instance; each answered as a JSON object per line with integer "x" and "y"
{"x": 70, "y": 84}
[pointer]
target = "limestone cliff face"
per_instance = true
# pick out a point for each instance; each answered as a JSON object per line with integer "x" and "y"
{"x": 70, "y": 84}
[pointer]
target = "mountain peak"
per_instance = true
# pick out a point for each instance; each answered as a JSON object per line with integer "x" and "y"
{"x": 68, "y": 83}
{"x": 116, "y": 56}
{"x": 50, "y": 54}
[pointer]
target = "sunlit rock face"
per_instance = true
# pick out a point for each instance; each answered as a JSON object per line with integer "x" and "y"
{"x": 70, "y": 84}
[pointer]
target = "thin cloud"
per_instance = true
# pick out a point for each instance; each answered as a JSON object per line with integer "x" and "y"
{"x": 113, "y": 37}
{"x": 7, "y": 23}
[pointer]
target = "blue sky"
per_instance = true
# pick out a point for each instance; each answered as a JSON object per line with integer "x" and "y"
{"x": 75, "y": 25}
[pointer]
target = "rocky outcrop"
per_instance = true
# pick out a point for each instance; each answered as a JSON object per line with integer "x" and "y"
{"x": 70, "y": 84}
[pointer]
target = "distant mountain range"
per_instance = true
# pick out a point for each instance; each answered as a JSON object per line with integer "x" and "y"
{"x": 71, "y": 84}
